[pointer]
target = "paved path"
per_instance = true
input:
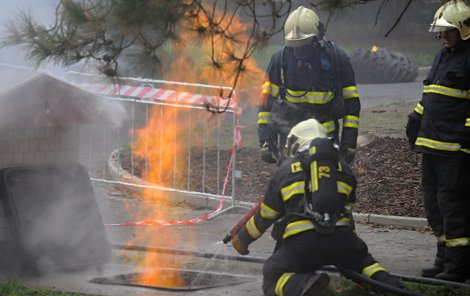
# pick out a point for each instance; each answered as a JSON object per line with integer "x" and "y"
{"x": 383, "y": 94}
{"x": 399, "y": 251}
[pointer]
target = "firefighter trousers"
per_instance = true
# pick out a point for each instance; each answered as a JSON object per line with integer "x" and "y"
{"x": 298, "y": 257}
{"x": 446, "y": 183}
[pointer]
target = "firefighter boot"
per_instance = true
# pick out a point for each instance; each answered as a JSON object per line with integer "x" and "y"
{"x": 315, "y": 283}
{"x": 450, "y": 276}
{"x": 430, "y": 272}
{"x": 438, "y": 265}
{"x": 455, "y": 264}
{"x": 386, "y": 278}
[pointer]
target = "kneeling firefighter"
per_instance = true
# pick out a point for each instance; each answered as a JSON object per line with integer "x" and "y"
{"x": 309, "y": 78}
{"x": 312, "y": 192}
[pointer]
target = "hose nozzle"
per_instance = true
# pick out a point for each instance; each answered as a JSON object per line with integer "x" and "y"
{"x": 227, "y": 238}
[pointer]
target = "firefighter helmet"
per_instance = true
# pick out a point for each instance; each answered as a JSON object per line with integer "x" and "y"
{"x": 301, "y": 135}
{"x": 301, "y": 26}
{"x": 454, "y": 14}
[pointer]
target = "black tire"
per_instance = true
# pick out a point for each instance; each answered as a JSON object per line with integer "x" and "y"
{"x": 382, "y": 66}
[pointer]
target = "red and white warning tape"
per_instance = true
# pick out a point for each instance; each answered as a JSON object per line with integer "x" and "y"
{"x": 159, "y": 94}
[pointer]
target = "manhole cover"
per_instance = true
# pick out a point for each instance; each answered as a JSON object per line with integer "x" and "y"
{"x": 173, "y": 279}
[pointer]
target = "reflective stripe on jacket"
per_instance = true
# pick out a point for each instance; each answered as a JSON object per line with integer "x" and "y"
{"x": 284, "y": 195}
{"x": 310, "y": 90}
{"x": 444, "y": 109}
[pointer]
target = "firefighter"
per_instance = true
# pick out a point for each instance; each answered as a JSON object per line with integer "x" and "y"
{"x": 439, "y": 129}
{"x": 308, "y": 78}
{"x": 312, "y": 191}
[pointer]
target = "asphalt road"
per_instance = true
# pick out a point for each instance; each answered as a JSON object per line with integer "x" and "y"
{"x": 383, "y": 94}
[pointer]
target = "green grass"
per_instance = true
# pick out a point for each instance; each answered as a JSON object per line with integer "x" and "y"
{"x": 387, "y": 120}
{"x": 438, "y": 290}
{"x": 339, "y": 286}
{"x": 13, "y": 288}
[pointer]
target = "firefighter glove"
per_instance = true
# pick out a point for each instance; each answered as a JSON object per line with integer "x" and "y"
{"x": 239, "y": 246}
{"x": 266, "y": 133}
{"x": 412, "y": 128}
{"x": 348, "y": 153}
{"x": 412, "y": 143}
{"x": 266, "y": 154}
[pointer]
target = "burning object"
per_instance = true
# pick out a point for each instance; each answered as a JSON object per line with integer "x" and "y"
{"x": 174, "y": 279}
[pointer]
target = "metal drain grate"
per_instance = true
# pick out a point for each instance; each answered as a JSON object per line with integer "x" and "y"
{"x": 174, "y": 279}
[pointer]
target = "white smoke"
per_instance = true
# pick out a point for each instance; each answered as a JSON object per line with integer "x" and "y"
{"x": 65, "y": 223}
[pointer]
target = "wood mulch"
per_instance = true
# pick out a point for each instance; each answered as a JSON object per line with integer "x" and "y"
{"x": 388, "y": 176}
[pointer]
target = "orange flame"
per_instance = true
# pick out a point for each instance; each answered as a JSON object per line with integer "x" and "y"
{"x": 215, "y": 58}
{"x": 374, "y": 48}
{"x": 160, "y": 142}
{"x": 154, "y": 145}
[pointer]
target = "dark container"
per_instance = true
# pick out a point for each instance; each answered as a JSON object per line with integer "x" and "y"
{"x": 50, "y": 221}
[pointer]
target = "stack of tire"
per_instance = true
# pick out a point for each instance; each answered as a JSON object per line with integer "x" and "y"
{"x": 382, "y": 66}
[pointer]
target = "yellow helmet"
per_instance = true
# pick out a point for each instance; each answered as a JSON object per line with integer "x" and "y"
{"x": 302, "y": 134}
{"x": 454, "y": 14}
{"x": 301, "y": 26}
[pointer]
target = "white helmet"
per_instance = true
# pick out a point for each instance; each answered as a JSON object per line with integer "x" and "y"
{"x": 301, "y": 26}
{"x": 302, "y": 134}
{"x": 454, "y": 14}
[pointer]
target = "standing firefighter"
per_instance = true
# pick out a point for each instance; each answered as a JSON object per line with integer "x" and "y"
{"x": 309, "y": 78}
{"x": 312, "y": 192}
{"x": 439, "y": 128}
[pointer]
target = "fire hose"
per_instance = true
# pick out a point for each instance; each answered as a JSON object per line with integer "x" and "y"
{"x": 382, "y": 287}
{"x": 354, "y": 276}
{"x": 251, "y": 259}
{"x": 243, "y": 221}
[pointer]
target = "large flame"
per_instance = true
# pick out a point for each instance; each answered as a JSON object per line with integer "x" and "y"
{"x": 160, "y": 142}
{"x": 155, "y": 144}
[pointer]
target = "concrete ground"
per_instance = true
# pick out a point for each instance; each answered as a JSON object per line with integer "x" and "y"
{"x": 399, "y": 251}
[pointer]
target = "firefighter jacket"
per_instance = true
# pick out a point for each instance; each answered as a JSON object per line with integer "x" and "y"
{"x": 322, "y": 87}
{"x": 284, "y": 195}
{"x": 440, "y": 123}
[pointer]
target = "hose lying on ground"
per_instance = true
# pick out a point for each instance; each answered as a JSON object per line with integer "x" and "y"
{"x": 330, "y": 269}
{"x": 382, "y": 287}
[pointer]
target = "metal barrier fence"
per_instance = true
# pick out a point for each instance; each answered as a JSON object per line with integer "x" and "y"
{"x": 167, "y": 141}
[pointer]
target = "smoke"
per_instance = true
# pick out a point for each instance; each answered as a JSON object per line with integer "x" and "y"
{"x": 60, "y": 223}
{"x": 39, "y": 99}
{"x": 61, "y": 226}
